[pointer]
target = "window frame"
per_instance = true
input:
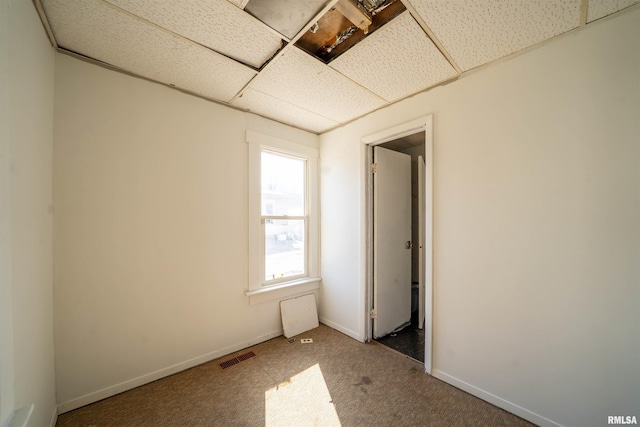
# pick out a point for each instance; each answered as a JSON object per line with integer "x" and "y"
{"x": 304, "y": 217}
{"x": 257, "y": 143}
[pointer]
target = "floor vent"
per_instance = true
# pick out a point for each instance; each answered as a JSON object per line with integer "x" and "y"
{"x": 246, "y": 356}
{"x": 229, "y": 363}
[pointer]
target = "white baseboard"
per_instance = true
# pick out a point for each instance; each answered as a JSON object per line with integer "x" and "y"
{"x": 339, "y": 328}
{"x": 161, "y": 373}
{"x": 495, "y": 400}
{"x": 54, "y": 417}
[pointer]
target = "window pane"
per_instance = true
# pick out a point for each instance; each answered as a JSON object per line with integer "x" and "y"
{"x": 284, "y": 248}
{"x": 283, "y": 185}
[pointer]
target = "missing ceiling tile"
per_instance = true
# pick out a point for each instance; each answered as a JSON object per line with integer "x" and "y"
{"x": 356, "y": 13}
{"x": 346, "y": 24}
{"x": 287, "y": 17}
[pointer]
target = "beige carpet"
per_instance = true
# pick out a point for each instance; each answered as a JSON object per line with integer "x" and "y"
{"x": 331, "y": 382}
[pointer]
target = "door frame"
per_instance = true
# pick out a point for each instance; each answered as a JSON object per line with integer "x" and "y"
{"x": 422, "y": 124}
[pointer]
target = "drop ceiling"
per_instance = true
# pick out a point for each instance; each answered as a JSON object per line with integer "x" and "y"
{"x": 255, "y": 55}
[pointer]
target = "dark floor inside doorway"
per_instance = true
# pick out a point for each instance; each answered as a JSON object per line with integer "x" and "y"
{"x": 409, "y": 341}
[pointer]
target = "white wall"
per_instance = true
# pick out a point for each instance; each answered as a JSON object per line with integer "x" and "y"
{"x": 537, "y": 238}
{"x": 26, "y": 248}
{"x": 341, "y": 234}
{"x": 150, "y": 187}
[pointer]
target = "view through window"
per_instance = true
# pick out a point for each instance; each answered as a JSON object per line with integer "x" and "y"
{"x": 284, "y": 215}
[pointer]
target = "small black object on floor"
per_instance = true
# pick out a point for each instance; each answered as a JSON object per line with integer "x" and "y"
{"x": 409, "y": 341}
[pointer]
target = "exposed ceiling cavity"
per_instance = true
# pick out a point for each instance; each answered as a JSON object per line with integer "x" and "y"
{"x": 347, "y": 23}
{"x": 311, "y": 64}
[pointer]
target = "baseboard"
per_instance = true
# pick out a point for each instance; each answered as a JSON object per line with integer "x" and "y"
{"x": 161, "y": 373}
{"x": 495, "y": 400}
{"x": 54, "y": 417}
{"x": 339, "y": 328}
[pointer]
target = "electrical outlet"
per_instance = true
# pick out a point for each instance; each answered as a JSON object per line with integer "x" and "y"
{"x": 306, "y": 340}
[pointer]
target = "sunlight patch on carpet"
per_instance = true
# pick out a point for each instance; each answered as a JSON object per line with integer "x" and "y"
{"x": 304, "y": 400}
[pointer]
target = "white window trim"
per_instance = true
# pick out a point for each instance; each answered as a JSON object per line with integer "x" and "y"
{"x": 258, "y": 292}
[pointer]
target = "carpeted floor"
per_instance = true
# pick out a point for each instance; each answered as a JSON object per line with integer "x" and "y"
{"x": 331, "y": 382}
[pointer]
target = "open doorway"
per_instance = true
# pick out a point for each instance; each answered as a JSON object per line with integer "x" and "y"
{"x": 399, "y": 238}
{"x": 409, "y": 336}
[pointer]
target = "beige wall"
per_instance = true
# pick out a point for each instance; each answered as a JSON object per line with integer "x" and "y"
{"x": 150, "y": 231}
{"x": 26, "y": 251}
{"x": 537, "y": 238}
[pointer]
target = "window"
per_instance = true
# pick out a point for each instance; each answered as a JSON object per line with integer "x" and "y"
{"x": 283, "y": 214}
{"x": 284, "y": 219}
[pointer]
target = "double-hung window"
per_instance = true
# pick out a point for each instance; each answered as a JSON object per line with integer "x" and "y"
{"x": 283, "y": 215}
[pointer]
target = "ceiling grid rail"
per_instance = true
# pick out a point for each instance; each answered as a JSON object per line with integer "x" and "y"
{"x": 45, "y": 23}
{"x": 431, "y": 35}
{"x": 288, "y": 46}
{"x": 179, "y": 36}
{"x": 298, "y": 106}
{"x": 584, "y": 11}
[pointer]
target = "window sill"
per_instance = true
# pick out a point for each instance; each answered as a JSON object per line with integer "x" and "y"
{"x": 283, "y": 290}
{"x": 20, "y": 418}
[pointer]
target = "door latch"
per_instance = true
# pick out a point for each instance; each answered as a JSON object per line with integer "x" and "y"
{"x": 409, "y": 244}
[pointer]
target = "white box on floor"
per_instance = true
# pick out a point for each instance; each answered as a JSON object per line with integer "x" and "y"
{"x": 299, "y": 315}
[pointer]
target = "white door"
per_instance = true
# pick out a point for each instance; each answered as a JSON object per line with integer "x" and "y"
{"x": 421, "y": 243}
{"x": 391, "y": 240}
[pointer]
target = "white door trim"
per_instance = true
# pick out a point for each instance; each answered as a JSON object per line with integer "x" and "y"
{"x": 422, "y": 124}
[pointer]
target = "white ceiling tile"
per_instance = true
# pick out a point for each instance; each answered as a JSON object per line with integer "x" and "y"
{"x": 95, "y": 29}
{"x": 301, "y": 80}
{"x": 277, "y": 109}
{"x": 601, "y": 8}
{"x": 395, "y": 61}
{"x": 216, "y": 24}
{"x": 475, "y": 32}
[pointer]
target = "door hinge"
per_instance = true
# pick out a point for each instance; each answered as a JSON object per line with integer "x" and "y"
{"x": 374, "y": 167}
{"x": 373, "y": 313}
